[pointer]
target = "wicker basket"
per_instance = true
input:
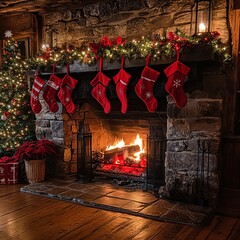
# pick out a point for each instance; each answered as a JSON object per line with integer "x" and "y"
{"x": 35, "y": 170}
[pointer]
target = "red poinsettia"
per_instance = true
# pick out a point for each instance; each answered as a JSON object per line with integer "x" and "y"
{"x": 35, "y": 150}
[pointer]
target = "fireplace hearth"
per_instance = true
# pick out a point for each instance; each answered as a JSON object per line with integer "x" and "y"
{"x": 169, "y": 135}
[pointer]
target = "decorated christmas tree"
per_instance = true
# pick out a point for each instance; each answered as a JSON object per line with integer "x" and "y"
{"x": 16, "y": 117}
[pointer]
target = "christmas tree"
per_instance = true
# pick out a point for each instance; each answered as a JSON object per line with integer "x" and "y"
{"x": 16, "y": 117}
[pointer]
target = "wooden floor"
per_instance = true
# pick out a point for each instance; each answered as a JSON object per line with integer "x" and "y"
{"x": 24, "y": 216}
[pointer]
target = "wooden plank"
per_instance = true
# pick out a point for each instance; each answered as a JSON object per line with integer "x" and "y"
{"x": 223, "y": 229}
{"x": 230, "y": 162}
{"x": 104, "y": 231}
{"x": 236, "y": 4}
{"x": 197, "y": 233}
{"x": 30, "y": 216}
{"x": 151, "y": 230}
{"x": 169, "y": 232}
{"x": 24, "y": 24}
{"x": 7, "y": 189}
{"x": 235, "y": 232}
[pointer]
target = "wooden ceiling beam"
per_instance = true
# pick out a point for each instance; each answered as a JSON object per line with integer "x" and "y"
{"x": 42, "y": 6}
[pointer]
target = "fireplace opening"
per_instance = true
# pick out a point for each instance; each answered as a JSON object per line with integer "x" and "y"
{"x": 138, "y": 159}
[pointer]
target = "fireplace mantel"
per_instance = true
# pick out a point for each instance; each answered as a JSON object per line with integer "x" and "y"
{"x": 193, "y": 55}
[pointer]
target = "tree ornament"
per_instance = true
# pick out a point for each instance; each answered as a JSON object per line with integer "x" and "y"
{"x": 8, "y": 34}
{"x": 50, "y": 91}
{"x": 144, "y": 87}
{"x": 3, "y": 117}
{"x": 100, "y": 83}
{"x": 68, "y": 84}
{"x": 122, "y": 79}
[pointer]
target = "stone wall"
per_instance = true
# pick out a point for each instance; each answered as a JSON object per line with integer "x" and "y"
{"x": 199, "y": 121}
{"x": 127, "y": 18}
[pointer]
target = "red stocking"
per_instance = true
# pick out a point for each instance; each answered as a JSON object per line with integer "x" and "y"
{"x": 176, "y": 74}
{"x": 36, "y": 88}
{"x": 122, "y": 79}
{"x": 65, "y": 93}
{"x": 51, "y": 91}
{"x": 144, "y": 87}
{"x": 100, "y": 83}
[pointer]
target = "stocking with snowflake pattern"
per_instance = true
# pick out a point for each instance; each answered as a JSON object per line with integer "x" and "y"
{"x": 176, "y": 74}
{"x": 122, "y": 79}
{"x": 144, "y": 87}
{"x": 100, "y": 83}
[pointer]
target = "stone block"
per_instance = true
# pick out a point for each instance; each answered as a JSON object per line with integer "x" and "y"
{"x": 57, "y": 129}
{"x": 192, "y": 145}
{"x": 44, "y": 133}
{"x": 42, "y": 123}
{"x": 130, "y": 5}
{"x": 59, "y": 142}
{"x": 90, "y": 20}
{"x": 67, "y": 154}
{"x": 91, "y": 10}
{"x": 185, "y": 128}
{"x": 196, "y": 108}
{"x": 189, "y": 161}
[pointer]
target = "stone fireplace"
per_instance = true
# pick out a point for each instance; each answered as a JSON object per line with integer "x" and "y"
{"x": 186, "y": 169}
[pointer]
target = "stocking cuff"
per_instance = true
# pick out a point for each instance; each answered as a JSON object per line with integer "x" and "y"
{"x": 52, "y": 84}
{"x": 122, "y": 77}
{"x": 177, "y": 67}
{"x": 69, "y": 81}
{"x": 101, "y": 78}
{"x": 54, "y": 81}
{"x": 38, "y": 82}
{"x": 150, "y": 74}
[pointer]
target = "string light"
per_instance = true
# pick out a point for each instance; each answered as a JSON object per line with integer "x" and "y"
{"x": 14, "y": 99}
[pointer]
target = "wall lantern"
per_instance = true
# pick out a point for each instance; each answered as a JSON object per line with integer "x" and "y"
{"x": 202, "y": 12}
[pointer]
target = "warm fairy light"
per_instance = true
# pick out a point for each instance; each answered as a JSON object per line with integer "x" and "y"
{"x": 45, "y": 47}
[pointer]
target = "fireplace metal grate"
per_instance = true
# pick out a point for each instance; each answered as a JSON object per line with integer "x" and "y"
{"x": 156, "y": 147}
{"x": 84, "y": 153}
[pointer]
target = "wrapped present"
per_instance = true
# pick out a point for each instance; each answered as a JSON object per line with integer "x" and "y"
{"x": 9, "y": 173}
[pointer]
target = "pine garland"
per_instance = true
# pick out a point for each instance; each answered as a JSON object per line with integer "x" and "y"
{"x": 113, "y": 49}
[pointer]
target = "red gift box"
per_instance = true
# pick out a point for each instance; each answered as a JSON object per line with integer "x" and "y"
{"x": 9, "y": 173}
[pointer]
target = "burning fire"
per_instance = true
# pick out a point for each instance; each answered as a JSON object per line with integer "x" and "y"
{"x": 120, "y": 144}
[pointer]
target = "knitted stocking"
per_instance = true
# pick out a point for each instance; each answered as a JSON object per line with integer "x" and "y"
{"x": 36, "y": 88}
{"x": 50, "y": 92}
{"x": 65, "y": 93}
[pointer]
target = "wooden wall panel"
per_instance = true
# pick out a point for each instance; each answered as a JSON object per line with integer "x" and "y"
{"x": 236, "y": 4}
{"x": 19, "y": 24}
{"x": 231, "y": 162}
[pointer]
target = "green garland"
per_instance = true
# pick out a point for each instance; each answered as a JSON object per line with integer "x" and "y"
{"x": 114, "y": 49}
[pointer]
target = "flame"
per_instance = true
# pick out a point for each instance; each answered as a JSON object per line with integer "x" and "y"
{"x": 119, "y": 144}
{"x": 138, "y": 141}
